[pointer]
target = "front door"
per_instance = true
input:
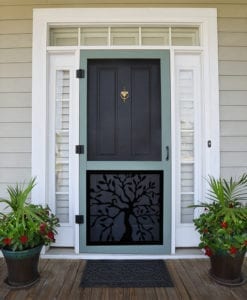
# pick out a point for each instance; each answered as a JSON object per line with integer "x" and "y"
{"x": 125, "y": 173}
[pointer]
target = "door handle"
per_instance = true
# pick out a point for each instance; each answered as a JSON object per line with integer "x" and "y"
{"x": 167, "y": 153}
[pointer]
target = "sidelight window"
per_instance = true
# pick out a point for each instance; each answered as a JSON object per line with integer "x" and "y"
{"x": 62, "y": 144}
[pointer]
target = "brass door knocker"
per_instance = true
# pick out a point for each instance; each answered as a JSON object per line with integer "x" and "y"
{"x": 124, "y": 95}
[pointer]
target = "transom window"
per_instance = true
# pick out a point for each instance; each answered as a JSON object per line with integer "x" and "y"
{"x": 125, "y": 36}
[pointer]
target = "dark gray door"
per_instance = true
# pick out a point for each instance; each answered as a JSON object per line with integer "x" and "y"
{"x": 125, "y": 171}
{"x": 124, "y": 110}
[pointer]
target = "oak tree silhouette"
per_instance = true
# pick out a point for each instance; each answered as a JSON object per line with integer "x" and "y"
{"x": 125, "y": 208}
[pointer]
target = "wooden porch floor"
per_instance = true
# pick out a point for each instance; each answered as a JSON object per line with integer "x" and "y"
{"x": 60, "y": 280}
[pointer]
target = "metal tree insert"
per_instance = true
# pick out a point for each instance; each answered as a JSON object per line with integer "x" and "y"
{"x": 124, "y": 207}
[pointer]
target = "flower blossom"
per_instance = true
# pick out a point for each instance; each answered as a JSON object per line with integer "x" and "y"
{"x": 23, "y": 239}
{"x": 42, "y": 227}
{"x": 208, "y": 251}
{"x": 233, "y": 250}
{"x": 7, "y": 241}
{"x": 50, "y": 235}
{"x": 223, "y": 224}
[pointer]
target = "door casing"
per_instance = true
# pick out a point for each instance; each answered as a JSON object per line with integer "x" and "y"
{"x": 43, "y": 18}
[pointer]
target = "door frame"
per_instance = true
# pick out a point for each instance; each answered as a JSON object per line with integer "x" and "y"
{"x": 205, "y": 18}
{"x": 164, "y": 56}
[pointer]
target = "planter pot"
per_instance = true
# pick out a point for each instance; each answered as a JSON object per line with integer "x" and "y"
{"x": 226, "y": 269}
{"x": 22, "y": 267}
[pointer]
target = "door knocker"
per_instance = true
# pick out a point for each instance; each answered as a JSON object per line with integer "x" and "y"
{"x": 124, "y": 95}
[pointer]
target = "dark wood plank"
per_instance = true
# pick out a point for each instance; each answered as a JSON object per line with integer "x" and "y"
{"x": 184, "y": 276}
{"x": 179, "y": 285}
{"x": 60, "y": 279}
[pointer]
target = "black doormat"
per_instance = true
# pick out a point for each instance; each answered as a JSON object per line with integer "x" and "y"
{"x": 126, "y": 274}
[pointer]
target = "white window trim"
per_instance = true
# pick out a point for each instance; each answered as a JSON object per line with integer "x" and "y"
{"x": 207, "y": 18}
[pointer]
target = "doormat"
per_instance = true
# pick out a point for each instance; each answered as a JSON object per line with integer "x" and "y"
{"x": 126, "y": 274}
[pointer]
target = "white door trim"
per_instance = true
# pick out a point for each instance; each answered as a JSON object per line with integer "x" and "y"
{"x": 42, "y": 18}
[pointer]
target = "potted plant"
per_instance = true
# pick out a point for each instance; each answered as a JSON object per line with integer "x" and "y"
{"x": 24, "y": 229}
{"x": 223, "y": 228}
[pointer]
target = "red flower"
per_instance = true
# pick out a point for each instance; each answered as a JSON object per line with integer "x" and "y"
{"x": 205, "y": 230}
{"x": 42, "y": 227}
{"x": 50, "y": 235}
{"x": 23, "y": 239}
{"x": 7, "y": 241}
{"x": 208, "y": 251}
{"x": 233, "y": 250}
{"x": 245, "y": 243}
{"x": 223, "y": 224}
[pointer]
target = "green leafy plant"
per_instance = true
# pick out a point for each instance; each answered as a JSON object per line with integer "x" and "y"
{"x": 25, "y": 225}
{"x": 223, "y": 224}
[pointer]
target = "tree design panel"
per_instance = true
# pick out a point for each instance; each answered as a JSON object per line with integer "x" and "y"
{"x": 124, "y": 208}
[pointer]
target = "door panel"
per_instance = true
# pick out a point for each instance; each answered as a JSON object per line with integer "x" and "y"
{"x": 124, "y": 207}
{"x": 124, "y": 130}
{"x": 124, "y": 175}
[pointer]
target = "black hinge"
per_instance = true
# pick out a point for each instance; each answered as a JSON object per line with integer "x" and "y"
{"x": 80, "y": 73}
{"x": 79, "y": 219}
{"x": 167, "y": 152}
{"x": 79, "y": 149}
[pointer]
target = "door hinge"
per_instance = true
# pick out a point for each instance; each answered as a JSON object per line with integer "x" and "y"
{"x": 79, "y": 219}
{"x": 79, "y": 149}
{"x": 80, "y": 73}
{"x": 167, "y": 153}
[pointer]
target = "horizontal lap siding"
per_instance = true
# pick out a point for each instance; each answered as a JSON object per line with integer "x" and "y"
{"x": 233, "y": 92}
{"x": 15, "y": 95}
{"x": 15, "y": 79}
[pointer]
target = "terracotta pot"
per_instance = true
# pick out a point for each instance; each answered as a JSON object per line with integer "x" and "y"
{"x": 226, "y": 269}
{"x": 22, "y": 267}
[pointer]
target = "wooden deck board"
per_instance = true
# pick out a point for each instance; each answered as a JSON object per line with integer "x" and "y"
{"x": 178, "y": 283}
{"x": 60, "y": 279}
